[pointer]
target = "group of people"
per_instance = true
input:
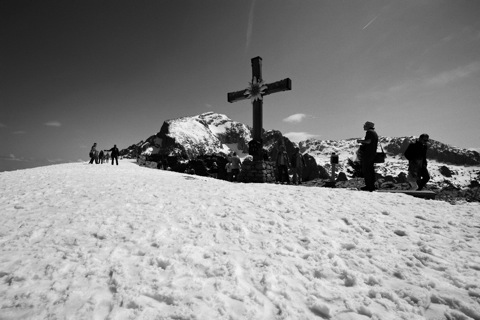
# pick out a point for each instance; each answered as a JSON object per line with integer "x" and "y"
{"x": 416, "y": 154}
{"x": 296, "y": 163}
{"x": 99, "y": 157}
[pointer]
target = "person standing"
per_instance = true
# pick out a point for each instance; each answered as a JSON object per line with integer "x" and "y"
{"x": 228, "y": 167}
{"x": 93, "y": 154}
{"x": 101, "y": 156}
{"x": 235, "y": 160}
{"x": 416, "y": 155}
{"x": 297, "y": 166}
{"x": 283, "y": 165}
{"x": 367, "y": 150}
{"x": 114, "y": 154}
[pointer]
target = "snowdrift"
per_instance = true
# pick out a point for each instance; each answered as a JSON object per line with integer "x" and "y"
{"x": 82, "y": 241}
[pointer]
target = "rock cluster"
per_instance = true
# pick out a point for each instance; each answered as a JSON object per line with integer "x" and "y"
{"x": 257, "y": 171}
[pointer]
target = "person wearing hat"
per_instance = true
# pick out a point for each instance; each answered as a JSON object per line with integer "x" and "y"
{"x": 416, "y": 155}
{"x": 368, "y": 149}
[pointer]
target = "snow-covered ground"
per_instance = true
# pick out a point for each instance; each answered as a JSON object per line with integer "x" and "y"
{"x": 82, "y": 241}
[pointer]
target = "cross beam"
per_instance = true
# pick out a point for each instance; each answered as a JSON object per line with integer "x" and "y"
{"x": 257, "y": 100}
{"x": 279, "y": 86}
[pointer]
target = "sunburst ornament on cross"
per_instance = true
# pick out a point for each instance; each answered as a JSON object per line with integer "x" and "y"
{"x": 256, "y": 89}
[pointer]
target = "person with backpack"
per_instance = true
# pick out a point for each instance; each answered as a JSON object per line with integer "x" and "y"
{"x": 114, "y": 153}
{"x": 297, "y": 163}
{"x": 416, "y": 155}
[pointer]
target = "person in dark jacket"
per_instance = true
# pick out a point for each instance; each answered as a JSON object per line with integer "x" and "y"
{"x": 114, "y": 153}
{"x": 416, "y": 155}
{"x": 282, "y": 165}
{"x": 367, "y": 150}
{"x": 93, "y": 154}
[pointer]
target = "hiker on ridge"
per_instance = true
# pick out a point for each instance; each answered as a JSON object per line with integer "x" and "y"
{"x": 367, "y": 150}
{"x": 416, "y": 155}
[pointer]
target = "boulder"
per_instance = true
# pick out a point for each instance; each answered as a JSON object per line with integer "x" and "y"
{"x": 311, "y": 170}
{"x": 342, "y": 177}
{"x": 445, "y": 171}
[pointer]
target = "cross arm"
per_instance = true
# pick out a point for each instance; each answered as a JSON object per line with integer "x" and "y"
{"x": 237, "y": 96}
{"x": 282, "y": 85}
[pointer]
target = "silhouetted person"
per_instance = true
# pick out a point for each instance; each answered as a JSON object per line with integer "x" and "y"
{"x": 93, "y": 154}
{"x": 416, "y": 155}
{"x": 236, "y": 163}
{"x": 282, "y": 165}
{"x": 101, "y": 156}
{"x": 368, "y": 149}
{"x": 114, "y": 153}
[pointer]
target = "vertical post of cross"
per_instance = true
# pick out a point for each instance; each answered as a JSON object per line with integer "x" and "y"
{"x": 258, "y": 103}
{"x": 257, "y": 109}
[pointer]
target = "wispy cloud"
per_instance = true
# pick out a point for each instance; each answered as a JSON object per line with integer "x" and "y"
{"x": 53, "y": 124}
{"x": 447, "y": 77}
{"x": 11, "y": 157}
{"x": 297, "y": 118}
{"x": 300, "y": 136}
{"x": 55, "y": 160}
{"x": 19, "y": 132}
{"x": 438, "y": 80}
{"x": 250, "y": 25}
{"x": 369, "y": 23}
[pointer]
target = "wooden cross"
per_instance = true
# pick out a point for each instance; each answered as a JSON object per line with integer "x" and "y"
{"x": 256, "y": 92}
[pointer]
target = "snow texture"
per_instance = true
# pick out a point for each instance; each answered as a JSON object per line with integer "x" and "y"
{"x": 82, "y": 241}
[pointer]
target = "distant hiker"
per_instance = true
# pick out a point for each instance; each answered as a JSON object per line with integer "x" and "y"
{"x": 228, "y": 167}
{"x": 93, "y": 154}
{"x": 214, "y": 170}
{"x": 416, "y": 155}
{"x": 297, "y": 166}
{"x": 101, "y": 156}
{"x": 114, "y": 153}
{"x": 107, "y": 157}
{"x": 367, "y": 150}
{"x": 236, "y": 162}
{"x": 283, "y": 165}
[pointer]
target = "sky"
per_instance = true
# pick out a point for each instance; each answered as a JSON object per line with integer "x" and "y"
{"x": 77, "y": 72}
{"x": 128, "y": 242}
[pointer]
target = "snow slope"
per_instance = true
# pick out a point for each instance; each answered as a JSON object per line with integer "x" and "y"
{"x": 81, "y": 241}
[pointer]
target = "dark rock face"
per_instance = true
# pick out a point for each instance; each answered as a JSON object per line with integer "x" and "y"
{"x": 342, "y": 177}
{"x": 311, "y": 170}
{"x": 445, "y": 171}
{"x": 402, "y": 177}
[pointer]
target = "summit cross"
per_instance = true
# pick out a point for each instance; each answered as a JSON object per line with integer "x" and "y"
{"x": 255, "y": 92}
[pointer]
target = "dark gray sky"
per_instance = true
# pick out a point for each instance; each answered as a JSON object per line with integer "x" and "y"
{"x": 77, "y": 72}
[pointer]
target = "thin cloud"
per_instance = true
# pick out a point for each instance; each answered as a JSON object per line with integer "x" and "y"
{"x": 447, "y": 77}
{"x": 295, "y": 118}
{"x": 250, "y": 25}
{"x": 300, "y": 136}
{"x": 412, "y": 85}
{"x": 53, "y": 124}
{"x": 19, "y": 132}
{"x": 55, "y": 160}
{"x": 11, "y": 157}
{"x": 369, "y": 23}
